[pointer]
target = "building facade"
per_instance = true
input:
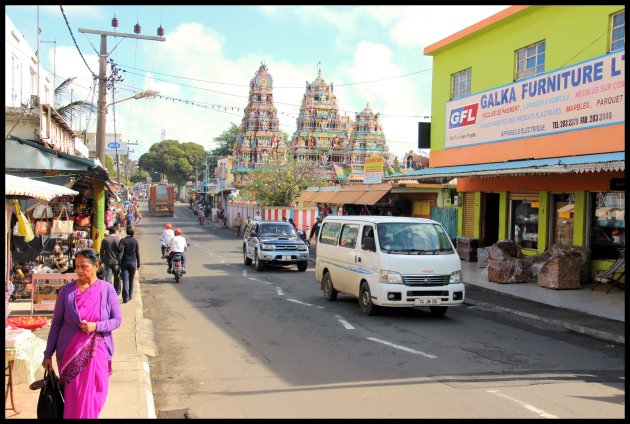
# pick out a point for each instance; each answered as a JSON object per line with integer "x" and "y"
{"x": 528, "y": 115}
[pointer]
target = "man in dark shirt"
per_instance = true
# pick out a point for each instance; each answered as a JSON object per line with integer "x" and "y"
{"x": 315, "y": 229}
{"x": 129, "y": 263}
{"x": 109, "y": 258}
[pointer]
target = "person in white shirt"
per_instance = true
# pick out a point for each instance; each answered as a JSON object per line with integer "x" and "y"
{"x": 166, "y": 237}
{"x": 257, "y": 217}
{"x": 177, "y": 245}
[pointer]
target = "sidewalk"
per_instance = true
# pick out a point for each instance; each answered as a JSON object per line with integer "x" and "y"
{"x": 130, "y": 392}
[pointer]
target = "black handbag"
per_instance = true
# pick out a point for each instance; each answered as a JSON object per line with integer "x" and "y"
{"x": 50, "y": 403}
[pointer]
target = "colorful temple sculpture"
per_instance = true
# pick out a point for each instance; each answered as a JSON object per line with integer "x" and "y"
{"x": 260, "y": 139}
{"x": 332, "y": 140}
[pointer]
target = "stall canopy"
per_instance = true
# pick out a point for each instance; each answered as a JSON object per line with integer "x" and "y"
{"x": 19, "y": 186}
{"x": 356, "y": 194}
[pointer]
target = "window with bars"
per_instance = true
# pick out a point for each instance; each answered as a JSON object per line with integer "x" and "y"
{"x": 530, "y": 61}
{"x": 460, "y": 84}
{"x": 618, "y": 31}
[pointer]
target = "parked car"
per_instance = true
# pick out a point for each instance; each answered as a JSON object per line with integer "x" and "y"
{"x": 389, "y": 261}
{"x": 275, "y": 243}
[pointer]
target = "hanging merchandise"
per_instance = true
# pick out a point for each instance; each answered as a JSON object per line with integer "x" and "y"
{"x": 62, "y": 226}
{"x": 42, "y": 226}
{"x": 42, "y": 211}
{"x": 24, "y": 226}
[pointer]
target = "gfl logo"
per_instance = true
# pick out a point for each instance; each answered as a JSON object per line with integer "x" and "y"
{"x": 463, "y": 116}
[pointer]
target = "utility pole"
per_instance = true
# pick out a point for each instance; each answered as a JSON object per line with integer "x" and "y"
{"x": 98, "y": 227}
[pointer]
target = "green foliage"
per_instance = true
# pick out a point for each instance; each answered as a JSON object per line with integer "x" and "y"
{"x": 140, "y": 176}
{"x": 280, "y": 182}
{"x": 110, "y": 166}
{"x": 177, "y": 161}
{"x": 225, "y": 143}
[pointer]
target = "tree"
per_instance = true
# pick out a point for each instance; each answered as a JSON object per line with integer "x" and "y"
{"x": 140, "y": 176}
{"x": 280, "y": 182}
{"x": 226, "y": 142}
{"x": 110, "y": 166}
{"x": 176, "y": 161}
{"x": 68, "y": 110}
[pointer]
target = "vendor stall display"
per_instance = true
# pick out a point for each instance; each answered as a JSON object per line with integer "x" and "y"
{"x": 46, "y": 288}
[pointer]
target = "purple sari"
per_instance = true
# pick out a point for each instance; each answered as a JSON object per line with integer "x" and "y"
{"x": 85, "y": 367}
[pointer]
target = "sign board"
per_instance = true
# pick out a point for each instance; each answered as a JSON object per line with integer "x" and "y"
{"x": 114, "y": 147}
{"x": 373, "y": 169}
{"x": 589, "y": 94}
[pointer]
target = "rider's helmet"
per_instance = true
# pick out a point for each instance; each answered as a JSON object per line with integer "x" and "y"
{"x": 178, "y": 232}
{"x": 168, "y": 226}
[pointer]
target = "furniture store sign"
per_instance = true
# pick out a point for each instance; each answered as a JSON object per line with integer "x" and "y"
{"x": 586, "y": 95}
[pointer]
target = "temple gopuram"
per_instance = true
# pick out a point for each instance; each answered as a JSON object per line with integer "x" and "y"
{"x": 326, "y": 137}
{"x": 260, "y": 139}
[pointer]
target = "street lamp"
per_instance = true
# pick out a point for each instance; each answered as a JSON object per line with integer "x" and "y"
{"x": 141, "y": 95}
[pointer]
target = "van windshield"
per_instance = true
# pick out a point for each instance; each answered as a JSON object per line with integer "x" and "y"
{"x": 413, "y": 239}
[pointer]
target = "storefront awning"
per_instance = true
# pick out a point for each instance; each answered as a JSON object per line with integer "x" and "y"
{"x": 356, "y": 194}
{"x": 371, "y": 197}
{"x": 307, "y": 196}
{"x": 558, "y": 165}
{"x": 19, "y": 186}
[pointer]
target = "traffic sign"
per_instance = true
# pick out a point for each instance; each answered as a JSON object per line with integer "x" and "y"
{"x": 113, "y": 145}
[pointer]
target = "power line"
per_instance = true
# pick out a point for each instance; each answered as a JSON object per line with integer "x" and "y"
{"x": 75, "y": 42}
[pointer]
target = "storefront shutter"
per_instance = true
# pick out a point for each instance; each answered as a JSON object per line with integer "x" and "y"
{"x": 469, "y": 214}
{"x": 523, "y": 196}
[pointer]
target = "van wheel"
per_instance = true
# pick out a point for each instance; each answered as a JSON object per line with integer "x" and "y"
{"x": 246, "y": 260}
{"x": 365, "y": 300}
{"x": 302, "y": 266}
{"x": 258, "y": 264}
{"x": 438, "y": 311}
{"x": 329, "y": 291}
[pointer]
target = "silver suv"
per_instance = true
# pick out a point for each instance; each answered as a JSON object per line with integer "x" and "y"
{"x": 273, "y": 242}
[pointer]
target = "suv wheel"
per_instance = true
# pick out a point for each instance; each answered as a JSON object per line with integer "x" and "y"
{"x": 258, "y": 264}
{"x": 246, "y": 260}
{"x": 302, "y": 266}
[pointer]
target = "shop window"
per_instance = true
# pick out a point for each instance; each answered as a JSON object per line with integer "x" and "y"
{"x": 608, "y": 225}
{"x": 564, "y": 205}
{"x": 524, "y": 229}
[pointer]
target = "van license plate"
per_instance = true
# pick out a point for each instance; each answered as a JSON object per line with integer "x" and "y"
{"x": 286, "y": 258}
{"x": 428, "y": 301}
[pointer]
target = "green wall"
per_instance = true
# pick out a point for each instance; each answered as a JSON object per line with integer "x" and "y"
{"x": 572, "y": 35}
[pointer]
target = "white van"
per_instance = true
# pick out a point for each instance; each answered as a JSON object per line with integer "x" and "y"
{"x": 389, "y": 261}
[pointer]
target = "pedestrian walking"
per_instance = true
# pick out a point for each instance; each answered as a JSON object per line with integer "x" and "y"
{"x": 86, "y": 312}
{"x": 109, "y": 258}
{"x": 238, "y": 222}
{"x": 315, "y": 229}
{"x": 129, "y": 263}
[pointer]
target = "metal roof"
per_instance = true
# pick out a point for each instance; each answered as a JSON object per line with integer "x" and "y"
{"x": 558, "y": 165}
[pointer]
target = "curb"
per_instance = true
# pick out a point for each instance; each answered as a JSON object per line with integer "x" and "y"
{"x": 597, "y": 334}
{"x": 141, "y": 334}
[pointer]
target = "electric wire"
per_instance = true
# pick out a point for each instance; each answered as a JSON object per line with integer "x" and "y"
{"x": 75, "y": 42}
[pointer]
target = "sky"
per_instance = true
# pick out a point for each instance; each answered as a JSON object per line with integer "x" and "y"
{"x": 372, "y": 55}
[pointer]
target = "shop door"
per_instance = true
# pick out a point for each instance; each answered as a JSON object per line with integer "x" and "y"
{"x": 489, "y": 219}
{"x": 469, "y": 215}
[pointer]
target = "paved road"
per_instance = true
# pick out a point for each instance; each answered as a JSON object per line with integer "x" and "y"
{"x": 236, "y": 343}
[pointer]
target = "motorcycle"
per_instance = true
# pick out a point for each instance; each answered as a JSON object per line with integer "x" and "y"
{"x": 176, "y": 267}
{"x": 201, "y": 216}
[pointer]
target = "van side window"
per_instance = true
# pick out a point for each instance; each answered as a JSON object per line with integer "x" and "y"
{"x": 349, "y": 234}
{"x": 330, "y": 233}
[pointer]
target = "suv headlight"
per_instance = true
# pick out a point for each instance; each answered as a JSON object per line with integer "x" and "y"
{"x": 456, "y": 277}
{"x": 266, "y": 246}
{"x": 302, "y": 247}
{"x": 390, "y": 277}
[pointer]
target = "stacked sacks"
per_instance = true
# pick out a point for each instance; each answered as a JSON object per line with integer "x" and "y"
{"x": 506, "y": 263}
{"x": 562, "y": 268}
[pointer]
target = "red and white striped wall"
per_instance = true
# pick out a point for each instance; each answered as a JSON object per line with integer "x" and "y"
{"x": 303, "y": 217}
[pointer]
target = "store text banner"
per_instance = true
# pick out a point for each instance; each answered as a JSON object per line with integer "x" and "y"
{"x": 373, "y": 168}
{"x": 585, "y": 95}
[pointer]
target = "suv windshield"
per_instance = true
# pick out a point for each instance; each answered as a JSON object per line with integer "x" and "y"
{"x": 277, "y": 230}
{"x": 413, "y": 239}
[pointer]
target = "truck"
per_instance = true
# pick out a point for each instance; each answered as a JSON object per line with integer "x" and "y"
{"x": 161, "y": 200}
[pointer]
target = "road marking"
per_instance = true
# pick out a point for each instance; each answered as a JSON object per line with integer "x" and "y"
{"x": 252, "y": 278}
{"x": 297, "y": 301}
{"x": 343, "y": 322}
{"x": 406, "y": 349}
{"x": 529, "y": 407}
{"x": 279, "y": 291}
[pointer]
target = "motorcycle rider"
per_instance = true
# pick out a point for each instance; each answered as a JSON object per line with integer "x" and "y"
{"x": 165, "y": 238}
{"x": 177, "y": 245}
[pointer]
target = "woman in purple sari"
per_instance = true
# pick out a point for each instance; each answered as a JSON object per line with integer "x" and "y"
{"x": 86, "y": 312}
